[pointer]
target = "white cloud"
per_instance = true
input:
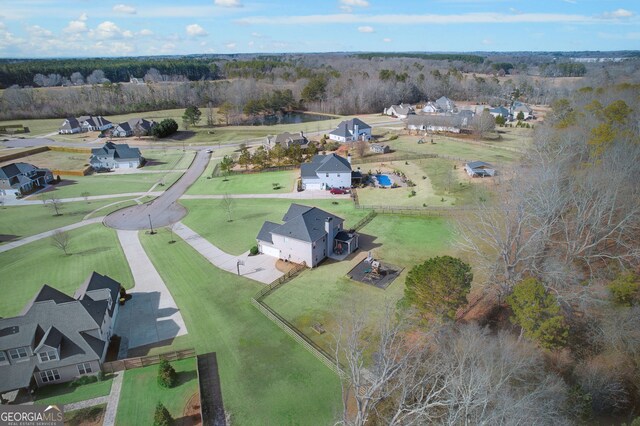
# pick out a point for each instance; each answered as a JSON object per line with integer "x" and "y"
{"x": 123, "y": 8}
{"x": 36, "y": 31}
{"x": 467, "y": 18}
{"x": 230, "y": 45}
{"x": 83, "y": 17}
{"x": 195, "y": 30}
{"x": 107, "y": 30}
{"x": 76, "y": 27}
{"x": 227, "y": 3}
{"x": 256, "y": 35}
{"x": 617, "y": 14}
{"x": 357, "y": 3}
{"x": 251, "y": 43}
{"x": 386, "y": 40}
{"x": 145, "y": 32}
{"x": 487, "y": 41}
{"x": 366, "y": 29}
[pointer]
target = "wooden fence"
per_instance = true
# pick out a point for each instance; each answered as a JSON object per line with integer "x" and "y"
{"x": 25, "y": 153}
{"x": 143, "y": 361}
{"x": 365, "y": 220}
{"x": 426, "y": 211}
{"x": 81, "y": 172}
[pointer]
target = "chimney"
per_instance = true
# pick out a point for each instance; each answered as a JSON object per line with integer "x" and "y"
{"x": 349, "y": 158}
{"x": 355, "y": 131}
{"x": 328, "y": 227}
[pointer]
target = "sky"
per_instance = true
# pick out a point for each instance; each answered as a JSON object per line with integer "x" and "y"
{"x": 99, "y": 28}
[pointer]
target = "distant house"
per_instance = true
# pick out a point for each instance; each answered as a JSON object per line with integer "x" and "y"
{"x": 23, "y": 178}
{"x": 431, "y": 108}
{"x": 287, "y": 140}
{"x": 499, "y": 111}
{"x": 400, "y": 111}
{"x": 518, "y": 107}
{"x": 58, "y": 338}
{"x": 479, "y": 169}
{"x": 69, "y": 126}
{"x": 445, "y": 104}
{"x": 326, "y": 171}
{"x": 351, "y": 130}
{"x": 132, "y": 127}
{"x": 95, "y": 123}
{"x": 307, "y": 236}
{"x": 436, "y": 123}
{"x": 115, "y": 156}
{"x": 379, "y": 148}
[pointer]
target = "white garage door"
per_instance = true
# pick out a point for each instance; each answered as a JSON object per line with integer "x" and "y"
{"x": 271, "y": 251}
{"x": 313, "y": 186}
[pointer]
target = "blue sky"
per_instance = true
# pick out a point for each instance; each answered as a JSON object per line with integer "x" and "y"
{"x": 49, "y": 28}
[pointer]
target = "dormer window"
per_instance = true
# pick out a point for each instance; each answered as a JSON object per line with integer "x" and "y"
{"x": 48, "y": 356}
{"x": 18, "y": 353}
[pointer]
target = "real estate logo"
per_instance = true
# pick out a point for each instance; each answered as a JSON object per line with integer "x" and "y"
{"x": 31, "y": 415}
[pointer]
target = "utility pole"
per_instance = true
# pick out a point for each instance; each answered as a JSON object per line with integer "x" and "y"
{"x": 150, "y": 225}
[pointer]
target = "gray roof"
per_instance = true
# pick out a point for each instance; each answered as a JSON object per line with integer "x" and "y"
{"x": 301, "y": 223}
{"x": 500, "y": 110}
{"x": 55, "y": 319}
{"x": 130, "y": 125}
{"x": 70, "y": 123}
{"x": 15, "y": 169}
{"x": 114, "y": 151}
{"x": 346, "y": 128}
{"x": 265, "y": 231}
{"x": 402, "y": 109}
{"x": 295, "y": 138}
{"x": 94, "y": 120}
{"x": 478, "y": 164}
{"x": 434, "y": 120}
{"x": 330, "y": 163}
{"x": 445, "y": 103}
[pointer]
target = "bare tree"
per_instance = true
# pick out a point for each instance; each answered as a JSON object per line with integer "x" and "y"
{"x": 53, "y": 203}
{"x": 227, "y": 205}
{"x": 361, "y": 148}
{"x": 86, "y": 195}
{"x": 61, "y": 240}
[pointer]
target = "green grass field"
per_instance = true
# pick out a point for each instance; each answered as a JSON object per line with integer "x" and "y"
{"x": 267, "y": 378}
{"x": 326, "y": 294}
{"x": 23, "y": 221}
{"x": 169, "y": 159}
{"x": 25, "y": 269}
{"x": 106, "y": 183}
{"x": 255, "y": 183}
{"x": 65, "y": 394}
{"x": 209, "y": 218}
{"x": 141, "y": 392}
{"x": 56, "y": 160}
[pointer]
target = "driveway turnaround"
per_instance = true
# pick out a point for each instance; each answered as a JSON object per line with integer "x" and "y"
{"x": 164, "y": 210}
{"x": 260, "y": 268}
{"x": 151, "y": 315}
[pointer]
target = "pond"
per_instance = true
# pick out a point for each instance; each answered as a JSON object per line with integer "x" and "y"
{"x": 287, "y": 118}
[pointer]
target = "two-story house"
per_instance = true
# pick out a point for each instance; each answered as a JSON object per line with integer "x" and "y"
{"x": 22, "y": 178}
{"x": 307, "y": 236}
{"x": 58, "y": 338}
{"x": 115, "y": 156}
{"x": 351, "y": 130}
{"x": 325, "y": 172}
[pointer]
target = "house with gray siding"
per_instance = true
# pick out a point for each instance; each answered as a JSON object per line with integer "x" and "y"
{"x": 308, "y": 236}
{"x": 58, "y": 338}
{"x": 17, "y": 179}
{"x": 135, "y": 126}
{"x": 115, "y": 156}
{"x": 326, "y": 172}
{"x": 94, "y": 123}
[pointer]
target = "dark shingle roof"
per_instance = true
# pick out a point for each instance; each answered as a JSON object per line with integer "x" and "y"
{"x": 70, "y": 123}
{"x": 265, "y": 231}
{"x": 477, "y": 164}
{"x": 345, "y": 128}
{"x": 114, "y": 150}
{"x": 330, "y": 163}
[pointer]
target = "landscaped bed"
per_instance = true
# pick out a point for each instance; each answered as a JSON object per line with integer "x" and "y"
{"x": 91, "y": 416}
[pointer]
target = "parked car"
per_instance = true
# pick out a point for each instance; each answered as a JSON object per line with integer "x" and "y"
{"x": 337, "y": 191}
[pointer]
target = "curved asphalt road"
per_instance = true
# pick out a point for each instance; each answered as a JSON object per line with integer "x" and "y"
{"x": 164, "y": 210}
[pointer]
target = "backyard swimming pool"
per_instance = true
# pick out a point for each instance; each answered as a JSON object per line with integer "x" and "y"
{"x": 384, "y": 180}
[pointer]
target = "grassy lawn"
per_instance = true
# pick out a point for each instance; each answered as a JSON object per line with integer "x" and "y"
{"x": 255, "y": 183}
{"x": 325, "y": 294}
{"x": 267, "y": 378}
{"x": 105, "y": 183}
{"x": 141, "y": 392}
{"x": 209, "y": 219}
{"x": 22, "y": 221}
{"x": 37, "y": 127}
{"x": 65, "y": 394}
{"x": 25, "y": 269}
{"x": 56, "y": 160}
{"x": 169, "y": 159}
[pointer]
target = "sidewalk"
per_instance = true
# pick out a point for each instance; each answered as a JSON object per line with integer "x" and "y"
{"x": 27, "y": 240}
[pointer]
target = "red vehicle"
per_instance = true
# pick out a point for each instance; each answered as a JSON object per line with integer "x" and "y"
{"x": 337, "y": 191}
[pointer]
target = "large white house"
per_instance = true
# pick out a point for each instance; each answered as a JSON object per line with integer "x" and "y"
{"x": 115, "y": 156}
{"x": 307, "y": 236}
{"x": 351, "y": 130}
{"x": 326, "y": 171}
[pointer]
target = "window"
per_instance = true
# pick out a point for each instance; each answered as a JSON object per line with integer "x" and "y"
{"x": 84, "y": 368}
{"x": 327, "y": 174}
{"x": 49, "y": 376}
{"x": 3, "y": 357}
{"x": 48, "y": 356}
{"x": 18, "y": 353}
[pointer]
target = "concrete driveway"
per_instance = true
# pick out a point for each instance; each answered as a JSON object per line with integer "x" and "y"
{"x": 164, "y": 210}
{"x": 260, "y": 268}
{"x": 151, "y": 315}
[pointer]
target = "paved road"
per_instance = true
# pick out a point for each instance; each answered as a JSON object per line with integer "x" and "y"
{"x": 164, "y": 210}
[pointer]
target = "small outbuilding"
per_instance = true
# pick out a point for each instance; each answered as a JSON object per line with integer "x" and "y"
{"x": 479, "y": 169}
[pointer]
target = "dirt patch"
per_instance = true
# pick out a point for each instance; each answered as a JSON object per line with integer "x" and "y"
{"x": 191, "y": 413}
{"x": 285, "y": 267}
{"x": 91, "y": 416}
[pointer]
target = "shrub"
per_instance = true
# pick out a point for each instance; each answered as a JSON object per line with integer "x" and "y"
{"x": 625, "y": 289}
{"x": 253, "y": 251}
{"x": 393, "y": 137}
{"x": 162, "y": 417}
{"x": 412, "y": 194}
{"x": 165, "y": 128}
{"x": 166, "y": 375}
{"x": 84, "y": 380}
